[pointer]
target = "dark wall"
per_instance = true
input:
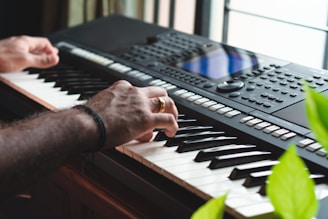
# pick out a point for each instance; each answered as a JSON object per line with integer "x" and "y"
{"x": 20, "y": 17}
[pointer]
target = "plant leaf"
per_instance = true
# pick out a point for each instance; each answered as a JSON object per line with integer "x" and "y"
{"x": 212, "y": 209}
{"x": 290, "y": 189}
{"x": 316, "y": 109}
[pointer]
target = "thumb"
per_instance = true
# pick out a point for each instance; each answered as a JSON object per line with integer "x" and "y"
{"x": 146, "y": 137}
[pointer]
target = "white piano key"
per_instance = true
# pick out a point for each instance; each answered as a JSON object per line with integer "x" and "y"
{"x": 321, "y": 191}
{"x": 259, "y": 210}
{"x": 216, "y": 191}
{"x": 213, "y": 179}
{"x": 257, "y": 164}
{"x": 19, "y": 75}
{"x": 156, "y": 151}
{"x": 241, "y": 197}
{"x": 224, "y": 185}
{"x": 41, "y": 90}
{"x": 174, "y": 160}
{"x": 204, "y": 173}
{"x": 185, "y": 166}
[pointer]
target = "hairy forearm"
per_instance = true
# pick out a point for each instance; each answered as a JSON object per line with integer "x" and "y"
{"x": 34, "y": 147}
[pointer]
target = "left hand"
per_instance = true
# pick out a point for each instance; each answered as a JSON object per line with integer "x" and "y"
{"x": 20, "y": 52}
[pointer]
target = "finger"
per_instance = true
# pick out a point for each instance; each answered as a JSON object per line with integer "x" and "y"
{"x": 42, "y": 60}
{"x": 121, "y": 85}
{"x": 154, "y": 91}
{"x": 167, "y": 107}
{"x": 41, "y": 45}
{"x": 146, "y": 137}
{"x": 167, "y": 122}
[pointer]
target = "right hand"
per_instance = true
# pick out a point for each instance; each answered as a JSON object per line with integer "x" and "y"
{"x": 131, "y": 112}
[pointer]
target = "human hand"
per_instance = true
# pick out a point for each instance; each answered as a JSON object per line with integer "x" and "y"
{"x": 132, "y": 112}
{"x": 20, "y": 52}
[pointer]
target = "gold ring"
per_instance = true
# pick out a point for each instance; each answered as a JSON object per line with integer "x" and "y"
{"x": 161, "y": 105}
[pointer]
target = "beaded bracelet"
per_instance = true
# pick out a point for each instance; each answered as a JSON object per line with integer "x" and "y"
{"x": 99, "y": 123}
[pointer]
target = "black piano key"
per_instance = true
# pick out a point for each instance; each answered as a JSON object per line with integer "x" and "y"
{"x": 262, "y": 191}
{"x": 240, "y": 158}
{"x": 57, "y": 73}
{"x": 67, "y": 81}
{"x": 182, "y": 122}
{"x": 58, "y": 67}
{"x": 54, "y": 77}
{"x": 211, "y": 153}
{"x": 192, "y": 129}
{"x": 72, "y": 85}
{"x": 187, "y": 122}
{"x": 199, "y": 144}
{"x": 318, "y": 179}
{"x": 80, "y": 89}
{"x": 190, "y": 136}
{"x": 85, "y": 95}
{"x": 243, "y": 171}
{"x": 42, "y": 74}
{"x": 256, "y": 179}
{"x": 183, "y": 130}
{"x": 160, "y": 136}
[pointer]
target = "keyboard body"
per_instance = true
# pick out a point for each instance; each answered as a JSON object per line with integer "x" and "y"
{"x": 255, "y": 98}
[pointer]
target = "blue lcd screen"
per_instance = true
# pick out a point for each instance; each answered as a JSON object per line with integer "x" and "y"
{"x": 220, "y": 63}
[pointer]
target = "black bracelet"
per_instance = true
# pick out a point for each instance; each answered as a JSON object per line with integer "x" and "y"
{"x": 99, "y": 122}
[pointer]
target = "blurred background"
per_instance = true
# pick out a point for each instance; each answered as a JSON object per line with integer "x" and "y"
{"x": 294, "y": 30}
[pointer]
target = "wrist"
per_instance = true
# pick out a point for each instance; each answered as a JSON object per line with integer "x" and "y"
{"x": 98, "y": 125}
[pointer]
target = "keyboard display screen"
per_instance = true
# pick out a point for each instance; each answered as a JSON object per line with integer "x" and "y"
{"x": 220, "y": 63}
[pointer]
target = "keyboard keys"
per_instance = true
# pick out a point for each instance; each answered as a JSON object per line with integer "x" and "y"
{"x": 257, "y": 178}
{"x": 208, "y": 154}
{"x": 210, "y": 167}
{"x": 242, "y": 171}
{"x": 205, "y": 160}
{"x": 239, "y": 158}
{"x": 190, "y": 136}
{"x": 198, "y": 144}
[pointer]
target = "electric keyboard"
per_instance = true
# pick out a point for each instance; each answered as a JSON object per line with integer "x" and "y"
{"x": 239, "y": 110}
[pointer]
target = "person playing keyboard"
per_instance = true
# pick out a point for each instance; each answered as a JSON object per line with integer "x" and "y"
{"x": 34, "y": 146}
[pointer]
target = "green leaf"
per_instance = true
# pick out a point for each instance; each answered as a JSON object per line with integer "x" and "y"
{"x": 316, "y": 109}
{"x": 212, "y": 209}
{"x": 289, "y": 188}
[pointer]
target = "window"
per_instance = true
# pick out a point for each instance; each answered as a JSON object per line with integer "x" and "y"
{"x": 293, "y": 30}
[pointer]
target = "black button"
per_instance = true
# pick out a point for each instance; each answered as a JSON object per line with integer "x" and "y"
{"x": 267, "y": 86}
{"x": 271, "y": 97}
{"x": 251, "y": 99}
{"x": 229, "y": 86}
{"x": 283, "y": 83}
{"x": 234, "y": 94}
{"x": 208, "y": 85}
{"x": 266, "y": 104}
{"x": 250, "y": 88}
